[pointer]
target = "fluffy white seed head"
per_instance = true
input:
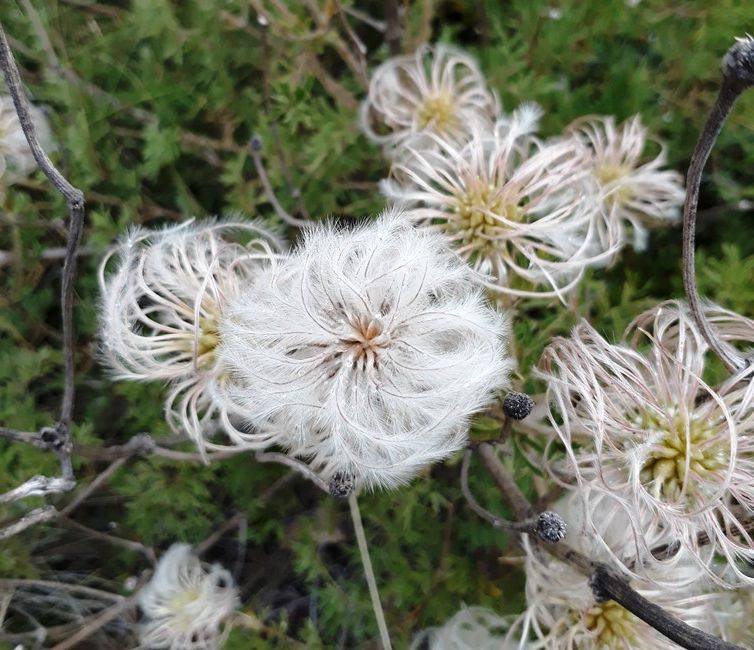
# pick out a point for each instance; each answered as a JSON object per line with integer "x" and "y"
{"x": 187, "y": 603}
{"x": 371, "y": 347}
{"x": 640, "y": 422}
{"x": 16, "y": 160}
{"x": 438, "y": 89}
{"x": 520, "y": 211}
{"x": 163, "y": 294}
{"x": 632, "y": 189}
{"x": 472, "y": 628}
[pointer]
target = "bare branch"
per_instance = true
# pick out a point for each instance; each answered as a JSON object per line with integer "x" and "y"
{"x": 90, "y": 489}
{"x": 266, "y": 96}
{"x": 255, "y": 147}
{"x": 738, "y": 75}
{"x": 103, "y": 618}
{"x": 393, "y": 31}
{"x": 606, "y": 585}
{"x": 74, "y": 198}
{"x": 28, "y": 520}
{"x": 37, "y": 486}
{"x": 528, "y": 526}
{"x": 298, "y": 466}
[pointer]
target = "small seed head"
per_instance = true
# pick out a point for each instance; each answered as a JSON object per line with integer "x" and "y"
{"x": 518, "y": 405}
{"x": 256, "y": 144}
{"x": 738, "y": 63}
{"x": 341, "y": 485}
{"x": 551, "y": 527}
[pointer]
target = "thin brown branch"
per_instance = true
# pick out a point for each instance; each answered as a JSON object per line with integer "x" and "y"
{"x": 129, "y": 544}
{"x": 30, "y": 519}
{"x": 737, "y": 76}
{"x": 234, "y": 522}
{"x": 90, "y": 489}
{"x": 48, "y": 254}
{"x": 255, "y": 147}
{"x": 103, "y": 618}
{"x": 393, "y": 30}
{"x": 613, "y": 587}
{"x": 74, "y": 198}
{"x": 297, "y": 466}
{"x": 511, "y": 492}
{"x": 529, "y": 526}
{"x": 267, "y": 98}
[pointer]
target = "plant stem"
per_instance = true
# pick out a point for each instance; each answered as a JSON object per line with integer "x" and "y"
{"x": 368, "y": 571}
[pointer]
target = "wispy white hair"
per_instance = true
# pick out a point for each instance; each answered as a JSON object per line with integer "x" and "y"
{"x": 16, "y": 160}
{"x": 438, "y": 89}
{"x": 163, "y": 294}
{"x": 520, "y": 210}
{"x": 639, "y": 421}
{"x": 187, "y": 603}
{"x": 471, "y": 628}
{"x": 632, "y": 189}
{"x": 372, "y": 347}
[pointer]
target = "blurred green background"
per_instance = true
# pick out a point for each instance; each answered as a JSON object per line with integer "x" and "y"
{"x": 152, "y": 103}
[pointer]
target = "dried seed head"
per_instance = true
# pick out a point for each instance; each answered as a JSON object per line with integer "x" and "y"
{"x": 341, "y": 485}
{"x": 551, "y": 527}
{"x": 518, "y": 405}
{"x": 738, "y": 62}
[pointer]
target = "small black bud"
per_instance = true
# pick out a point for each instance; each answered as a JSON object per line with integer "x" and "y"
{"x": 256, "y": 144}
{"x": 738, "y": 62}
{"x": 341, "y": 485}
{"x": 551, "y": 527}
{"x": 53, "y": 438}
{"x": 517, "y": 406}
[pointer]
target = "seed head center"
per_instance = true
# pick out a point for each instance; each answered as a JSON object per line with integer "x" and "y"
{"x": 364, "y": 341}
{"x": 685, "y": 454}
{"x": 480, "y": 211}
{"x": 437, "y": 111}
{"x": 607, "y": 173}
{"x": 614, "y": 627}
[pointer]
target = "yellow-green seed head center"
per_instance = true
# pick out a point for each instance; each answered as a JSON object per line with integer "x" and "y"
{"x": 479, "y": 217}
{"x": 438, "y": 112}
{"x": 686, "y": 453}
{"x": 182, "y": 616}
{"x": 613, "y": 626}
{"x": 209, "y": 338}
{"x": 608, "y": 173}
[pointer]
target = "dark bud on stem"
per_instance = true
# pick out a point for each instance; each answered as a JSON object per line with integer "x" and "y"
{"x": 738, "y": 63}
{"x": 517, "y": 406}
{"x": 551, "y": 527}
{"x": 53, "y": 438}
{"x": 341, "y": 485}
{"x": 256, "y": 144}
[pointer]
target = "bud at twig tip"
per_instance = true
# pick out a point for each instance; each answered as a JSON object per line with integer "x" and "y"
{"x": 517, "y": 406}
{"x": 551, "y": 527}
{"x": 738, "y": 63}
{"x": 341, "y": 485}
{"x": 256, "y": 143}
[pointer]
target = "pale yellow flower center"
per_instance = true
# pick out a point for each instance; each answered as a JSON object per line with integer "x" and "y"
{"x": 209, "y": 337}
{"x": 682, "y": 448}
{"x": 183, "y": 617}
{"x": 438, "y": 111}
{"x": 608, "y": 173}
{"x": 613, "y": 626}
{"x": 475, "y": 222}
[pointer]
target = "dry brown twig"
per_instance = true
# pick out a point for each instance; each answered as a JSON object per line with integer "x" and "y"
{"x": 737, "y": 76}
